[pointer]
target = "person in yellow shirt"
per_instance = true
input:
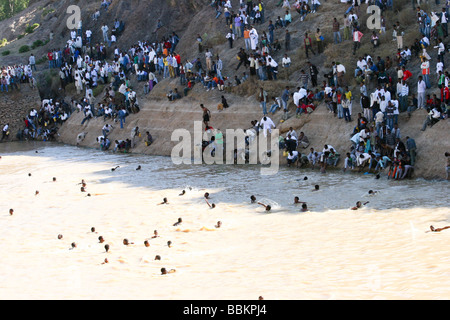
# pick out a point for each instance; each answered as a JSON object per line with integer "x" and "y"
{"x": 166, "y": 67}
{"x": 348, "y": 95}
{"x": 319, "y": 41}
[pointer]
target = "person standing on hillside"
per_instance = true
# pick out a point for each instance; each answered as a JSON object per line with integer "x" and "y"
{"x": 105, "y": 33}
{"x": 444, "y": 20}
{"x": 399, "y": 35}
{"x": 287, "y": 40}
{"x": 32, "y": 62}
{"x": 208, "y": 56}
{"x": 319, "y": 41}
{"x": 262, "y": 98}
{"x": 357, "y": 35}
{"x": 425, "y": 66}
{"x": 230, "y": 37}
{"x": 313, "y": 73}
{"x": 336, "y": 32}
{"x": 253, "y": 38}
{"x": 421, "y": 87}
{"x": 308, "y": 45}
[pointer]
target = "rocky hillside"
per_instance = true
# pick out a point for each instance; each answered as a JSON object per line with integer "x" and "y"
{"x": 192, "y": 17}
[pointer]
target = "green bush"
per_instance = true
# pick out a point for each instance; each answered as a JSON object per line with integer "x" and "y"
{"x": 47, "y": 11}
{"x": 6, "y": 52}
{"x": 37, "y": 43}
{"x": 30, "y": 29}
{"x": 24, "y": 48}
{"x": 20, "y": 36}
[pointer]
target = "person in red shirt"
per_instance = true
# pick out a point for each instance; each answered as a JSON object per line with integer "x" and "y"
{"x": 406, "y": 74}
{"x": 50, "y": 59}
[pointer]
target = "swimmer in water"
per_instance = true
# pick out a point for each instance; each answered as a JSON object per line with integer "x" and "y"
{"x": 105, "y": 261}
{"x": 164, "y": 201}
{"x": 36, "y": 193}
{"x": 182, "y": 193}
{"x": 304, "y": 207}
{"x": 60, "y": 236}
{"x": 371, "y": 192}
{"x": 359, "y": 205}
{"x": 93, "y": 229}
{"x": 268, "y": 207}
{"x": 438, "y": 229}
{"x": 297, "y": 200}
{"x": 155, "y": 234}
{"x": 82, "y": 189}
{"x": 100, "y": 239}
{"x": 178, "y": 222}
{"x": 212, "y": 205}
{"x": 74, "y": 245}
{"x": 146, "y": 243}
{"x": 11, "y": 212}
{"x": 114, "y": 169}
{"x": 29, "y": 174}
{"x": 164, "y": 271}
{"x": 126, "y": 242}
{"x": 252, "y": 199}
{"x": 206, "y": 195}
{"x": 260, "y": 298}
{"x": 316, "y": 187}
{"x": 138, "y": 168}
{"x": 54, "y": 179}
{"x": 106, "y": 247}
{"x": 169, "y": 244}
{"x": 305, "y": 178}
{"x": 219, "y": 224}
{"x": 157, "y": 257}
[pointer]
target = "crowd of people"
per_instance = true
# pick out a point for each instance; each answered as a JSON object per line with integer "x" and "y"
{"x": 385, "y": 85}
{"x": 12, "y": 77}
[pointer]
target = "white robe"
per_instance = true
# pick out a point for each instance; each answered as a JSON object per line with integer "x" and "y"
{"x": 267, "y": 125}
{"x": 253, "y": 38}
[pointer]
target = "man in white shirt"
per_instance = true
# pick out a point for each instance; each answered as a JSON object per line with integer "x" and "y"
{"x": 432, "y": 117}
{"x": 267, "y": 125}
{"x": 363, "y": 159}
{"x": 88, "y": 36}
{"x": 361, "y": 65}
{"x": 313, "y": 157}
{"x": 327, "y": 148}
{"x": 105, "y": 33}
{"x": 296, "y": 98}
{"x": 292, "y": 157}
{"x": 439, "y": 67}
{"x": 421, "y": 87}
